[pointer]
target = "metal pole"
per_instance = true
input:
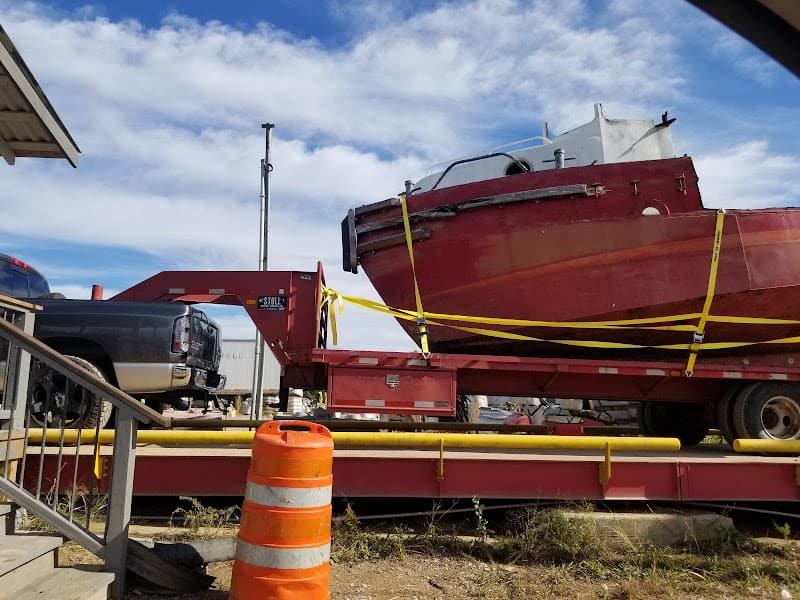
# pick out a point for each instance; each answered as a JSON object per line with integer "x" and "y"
{"x": 257, "y": 404}
{"x": 119, "y": 511}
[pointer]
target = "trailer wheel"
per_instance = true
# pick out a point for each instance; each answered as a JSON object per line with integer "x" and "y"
{"x": 686, "y": 422}
{"x": 768, "y": 411}
{"x": 725, "y": 420}
{"x": 54, "y": 404}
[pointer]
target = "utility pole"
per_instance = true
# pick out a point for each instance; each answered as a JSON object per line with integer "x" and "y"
{"x": 257, "y": 405}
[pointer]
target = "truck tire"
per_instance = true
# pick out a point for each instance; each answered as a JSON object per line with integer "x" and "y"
{"x": 768, "y": 411}
{"x": 81, "y": 410}
{"x": 672, "y": 419}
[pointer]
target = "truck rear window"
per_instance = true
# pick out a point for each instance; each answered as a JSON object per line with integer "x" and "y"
{"x": 13, "y": 281}
{"x": 39, "y": 286}
{"x": 18, "y": 280}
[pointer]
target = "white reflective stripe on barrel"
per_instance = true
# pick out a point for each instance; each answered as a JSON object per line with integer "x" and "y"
{"x": 288, "y": 497}
{"x": 282, "y": 558}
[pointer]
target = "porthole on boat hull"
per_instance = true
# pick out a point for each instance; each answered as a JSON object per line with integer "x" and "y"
{"x": 514, "y": 169}
{"x": 650, "y": 210}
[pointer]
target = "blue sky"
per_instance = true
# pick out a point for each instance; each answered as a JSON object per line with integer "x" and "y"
{"x": 165, "y": 100}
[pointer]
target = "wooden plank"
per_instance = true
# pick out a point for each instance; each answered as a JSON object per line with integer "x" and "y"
{"x": 14, "y": 302}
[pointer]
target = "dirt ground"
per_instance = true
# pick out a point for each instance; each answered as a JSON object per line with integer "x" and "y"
{"x": 421, "y": 577}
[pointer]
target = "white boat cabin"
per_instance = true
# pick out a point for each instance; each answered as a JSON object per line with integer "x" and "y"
{"x": 602, "y": 140}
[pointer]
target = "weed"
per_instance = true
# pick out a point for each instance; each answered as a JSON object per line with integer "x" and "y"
{"x": 350, "y": 543}
{"x": 571, "y": 548}
{"x": 204, "y": 521}
{"x": 785, "y": 530}
{"x": 76, "y": 506}
{"x": 714, "y": 439}
{"x": 482, "y": 524}
{"x": 550, "y": 536}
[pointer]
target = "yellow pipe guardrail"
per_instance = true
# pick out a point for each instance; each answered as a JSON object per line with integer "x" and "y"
{"x": 543, "y": 442}
{"x": 386, "y": 439}
{"x": 767, "y": 446}
{"x": 438, "y": 441}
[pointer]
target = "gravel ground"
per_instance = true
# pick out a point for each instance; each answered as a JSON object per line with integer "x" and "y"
{"x": 420, "y": 576}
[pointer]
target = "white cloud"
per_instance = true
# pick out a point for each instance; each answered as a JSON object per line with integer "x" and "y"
{"x": 748, "y": 176}
{"x": 168, "y": 119}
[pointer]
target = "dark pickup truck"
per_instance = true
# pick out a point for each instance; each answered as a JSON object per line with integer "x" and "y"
{"x": 160, "y": 352}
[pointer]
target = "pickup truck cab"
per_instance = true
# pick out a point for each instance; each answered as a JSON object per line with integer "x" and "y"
{"x": 160, "y": 352}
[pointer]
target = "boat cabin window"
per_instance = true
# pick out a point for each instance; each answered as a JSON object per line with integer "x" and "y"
{"x": 513, "y": 168}
{"x": 651, "y": 210}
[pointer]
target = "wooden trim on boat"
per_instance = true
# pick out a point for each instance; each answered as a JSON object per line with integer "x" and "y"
{"x": 451, "y": 210}
{"x": 417, "y": 235}
{"x": 579, "y": 189}
{"x": 435, "y": 213}
{"x": 370, "y": 208}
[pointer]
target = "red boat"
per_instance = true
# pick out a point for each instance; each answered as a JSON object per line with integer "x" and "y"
{"x": 601, "y": 242}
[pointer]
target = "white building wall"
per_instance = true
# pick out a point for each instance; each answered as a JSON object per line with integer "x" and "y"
{"x": 237, "y": 365}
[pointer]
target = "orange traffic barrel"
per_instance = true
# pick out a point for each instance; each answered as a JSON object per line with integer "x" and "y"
{"x": 284, "y": 542}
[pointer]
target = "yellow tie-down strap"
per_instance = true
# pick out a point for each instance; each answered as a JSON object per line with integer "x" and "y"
{"x": 336, "y": 302}
{"x": 332, "y": 298}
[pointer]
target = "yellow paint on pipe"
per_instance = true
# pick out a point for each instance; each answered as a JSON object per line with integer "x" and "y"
{"x": 767, "y": 446}
{"x": 460, "y": 440}
{"x": 386, "y": 439}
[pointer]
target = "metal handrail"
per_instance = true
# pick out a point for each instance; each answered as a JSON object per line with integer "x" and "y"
{"x": 521, "y": 165}
{"x": 49, "y": 398}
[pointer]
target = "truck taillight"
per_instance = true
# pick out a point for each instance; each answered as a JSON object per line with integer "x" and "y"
{"x": 180, "y": 335}
{"x": 20, "y": 264}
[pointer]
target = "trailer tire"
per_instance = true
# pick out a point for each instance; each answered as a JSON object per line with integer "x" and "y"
{"x": 768, "y": 411}
{"x": 686, "y": 422}
{"x": 725, "y": 421}
{"x": 82, "y": 410}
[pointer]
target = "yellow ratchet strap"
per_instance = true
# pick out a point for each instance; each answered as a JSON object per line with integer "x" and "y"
{"x": 421, "y": 320}
{"x": 330, "y": 298}
{"x": 699, "y": 332}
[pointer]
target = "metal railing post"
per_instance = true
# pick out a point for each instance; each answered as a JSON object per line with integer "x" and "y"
{"x": 18, "y": 369}
{"x": 119, "y": 512}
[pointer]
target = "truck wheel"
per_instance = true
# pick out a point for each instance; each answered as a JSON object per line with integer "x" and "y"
{"x": 672, "y": 419}
{"x": 51, "y": 404}
{"x": 768, "y": 411}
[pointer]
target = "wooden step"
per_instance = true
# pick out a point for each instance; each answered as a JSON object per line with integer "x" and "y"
{"x": 72, "y": 583}
{"x": 24, "y": 557}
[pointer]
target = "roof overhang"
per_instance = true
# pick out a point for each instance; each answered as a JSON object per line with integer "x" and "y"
{"x": 772, "y": 25}
{"x": 29, "y": 125}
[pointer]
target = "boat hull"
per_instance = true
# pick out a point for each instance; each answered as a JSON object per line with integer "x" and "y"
{"x": 579, "y": 257}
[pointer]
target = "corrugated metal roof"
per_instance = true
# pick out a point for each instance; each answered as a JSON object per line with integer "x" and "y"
{"x": 29, "y": 125}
